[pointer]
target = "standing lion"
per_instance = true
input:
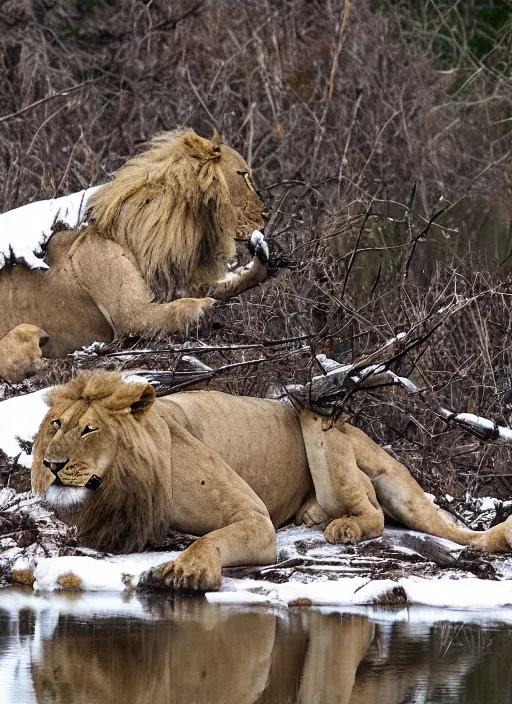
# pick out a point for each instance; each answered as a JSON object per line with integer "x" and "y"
{"x": 160, "y": 233}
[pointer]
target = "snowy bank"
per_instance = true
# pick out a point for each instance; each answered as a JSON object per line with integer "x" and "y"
{"x": 397, "y": 569}
{"x": 25, "y": 230}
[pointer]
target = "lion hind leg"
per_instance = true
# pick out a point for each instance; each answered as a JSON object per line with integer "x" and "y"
{"x": 403, "y": 499}
{"x": 311, "y": 514}
{"x": 343, "y": 493}
{"x": 406, "y": 502}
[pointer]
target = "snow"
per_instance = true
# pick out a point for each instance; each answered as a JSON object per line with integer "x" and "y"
{"x": 121, "y": 574}
{"x": 258, "y": 240}
{"x": 499, "y": 433}
{"x": 25, "y": 230}
{"x": 113, "y": 574}
{"x": 397, "y": 338}
{"x": 335, "y": 369}
{"x": 405, "y": 382}
{"x": 20, "y": 418}
{"x": 466, "y": 593}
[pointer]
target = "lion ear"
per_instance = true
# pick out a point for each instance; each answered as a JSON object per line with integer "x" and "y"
{"x": 144, "y": 402}
{"x": 199, "y": 147}
{"x": 217, "y": 139}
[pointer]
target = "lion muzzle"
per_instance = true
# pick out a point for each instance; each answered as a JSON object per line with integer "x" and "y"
{"x": 55, "y": 467}
{"x": 93, "y": 482}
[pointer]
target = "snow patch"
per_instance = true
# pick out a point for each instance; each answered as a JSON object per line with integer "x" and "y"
{"x": 466, "y": 593}
{"x": 25, "y": 230}
{"x": 115, "y": 573}
{"x": 20, "y": 418}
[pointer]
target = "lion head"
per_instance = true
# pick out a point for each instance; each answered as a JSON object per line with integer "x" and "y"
{"x": 178, "y": 207}
{"x": 101, "y": 458}
{"x": 20, "y": 353}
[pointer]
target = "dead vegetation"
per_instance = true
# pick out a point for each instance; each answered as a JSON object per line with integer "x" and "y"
{"x": 381, "y": 141}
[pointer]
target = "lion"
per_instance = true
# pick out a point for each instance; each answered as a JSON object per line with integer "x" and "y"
{"x": 126, "y": 467}
{"x": 158, "y": 235}
{"x": 21, "y": 353}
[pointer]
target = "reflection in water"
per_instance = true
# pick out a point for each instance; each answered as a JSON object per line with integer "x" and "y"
{"x": 189, "y": 651}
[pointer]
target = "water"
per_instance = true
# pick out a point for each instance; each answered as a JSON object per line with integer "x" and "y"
{"x": 95, "y": 649}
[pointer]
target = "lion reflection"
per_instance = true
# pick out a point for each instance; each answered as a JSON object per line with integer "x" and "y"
{"x": 202, "y": 653}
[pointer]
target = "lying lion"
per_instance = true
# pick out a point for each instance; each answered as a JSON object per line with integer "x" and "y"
{"x": 126, "y": 468}
{"x": 163, "y": 229}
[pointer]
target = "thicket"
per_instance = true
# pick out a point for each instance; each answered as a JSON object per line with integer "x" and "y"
{"x": 380, "y": 136}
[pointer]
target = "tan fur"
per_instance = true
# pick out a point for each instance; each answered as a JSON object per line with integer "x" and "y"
{"x": 224, "y": 467}
{"x": 70, "y": 582}
{"x": 21, "y": 354}
{"x": 164, "y": 228}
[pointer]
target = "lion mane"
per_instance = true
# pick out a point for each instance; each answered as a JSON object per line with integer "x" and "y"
{"x": 132, "y": 508}
{"x": 171, "y": 206}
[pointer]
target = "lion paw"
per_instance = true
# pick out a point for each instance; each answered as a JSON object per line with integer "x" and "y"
{"x": 191, "y": 573}
{"x": 199, "y": 306}
{"x": 191, "y": 309}
{"x": 343, "y": 530}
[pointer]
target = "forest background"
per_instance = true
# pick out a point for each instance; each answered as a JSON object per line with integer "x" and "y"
{"x": 380, "y": 135}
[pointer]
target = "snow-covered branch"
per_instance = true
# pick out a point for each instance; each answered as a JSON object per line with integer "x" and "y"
{"x": 487, "y": 429}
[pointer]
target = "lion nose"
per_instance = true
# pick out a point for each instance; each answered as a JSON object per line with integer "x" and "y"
{"x": 55, "y": 467}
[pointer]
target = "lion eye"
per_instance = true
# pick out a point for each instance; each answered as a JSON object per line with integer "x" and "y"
{"x": 88, "y": 429}
{"x": 248, "y": 180}
{"x": 249, "y": 183}
{"x": 56, "y": 423}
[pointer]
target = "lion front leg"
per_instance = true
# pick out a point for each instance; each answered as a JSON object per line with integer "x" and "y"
{"x": 113, "y": 280}
{"x": 236, "y": 282}
{"x": 248, "y": 541}
{"x": 245, "y": 277}
{"x": 212, "y": 500}
{"x": 345, "y": 497}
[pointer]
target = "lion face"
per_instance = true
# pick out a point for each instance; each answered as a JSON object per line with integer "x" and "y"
{"x": 178, "y": 208}
{"x": 98, "y": 458}
{"x": 79, "y": 451}
{"x": 244, "y": 198}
